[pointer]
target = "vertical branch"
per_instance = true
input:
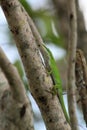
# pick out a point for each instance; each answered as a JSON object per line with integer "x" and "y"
{"x": 71, "y": 63}
{"x": 81, "y": 80}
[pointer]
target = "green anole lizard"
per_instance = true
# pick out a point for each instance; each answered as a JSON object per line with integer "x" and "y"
{"x": 50, "y": 66}
{"x": 53, "y": 71}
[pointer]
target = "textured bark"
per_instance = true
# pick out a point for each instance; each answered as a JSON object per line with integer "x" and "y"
{"x": 81, "y": 80}
{"x": 40, "y": 82}
{"x": 15, "y": 108}
{"x": 71, "y": 63}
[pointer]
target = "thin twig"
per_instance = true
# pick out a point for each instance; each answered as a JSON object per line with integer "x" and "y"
{"x": 71, "y": 63}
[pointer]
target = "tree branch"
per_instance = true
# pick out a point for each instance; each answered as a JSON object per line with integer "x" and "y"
{"x": 71, "y": 63}
{"x": 81, "y": 80}
{"x": 14, "y": 102}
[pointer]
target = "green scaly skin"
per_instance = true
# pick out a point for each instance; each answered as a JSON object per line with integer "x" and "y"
{"x": 57, "y": 89}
